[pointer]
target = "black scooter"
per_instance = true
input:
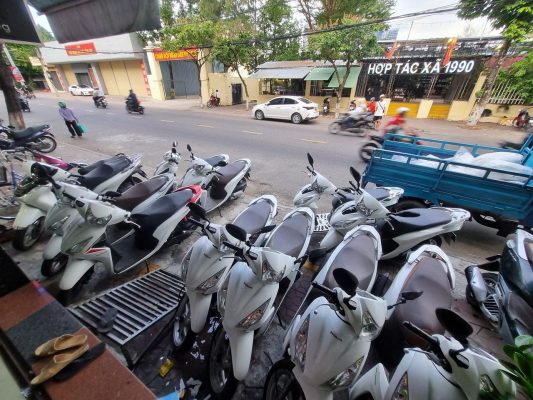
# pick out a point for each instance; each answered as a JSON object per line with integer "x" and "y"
{"x": 504, "y": 294}
{"x": 101, "y": 102}
{"x": 38, "y": 138}
{"x": 357, "y": 125}
{"x": 24, "y": 104}
{"x": 137, "y": 108}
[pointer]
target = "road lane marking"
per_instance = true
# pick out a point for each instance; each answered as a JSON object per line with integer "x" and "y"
{"x": 110, "y": 113}
{"x": 253, "y": 133}
{"x": 167, "y": 120}
{"x": 89, "y": 110}
{"x": 313, "y": 141}
{"x": 135, "y": 116}
{"x": 205, "y": 126}
{"x": 41, "y": 104}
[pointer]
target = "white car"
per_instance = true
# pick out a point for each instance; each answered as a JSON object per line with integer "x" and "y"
{"x": 80, "y": 90}
{"x": 294, "y": 108}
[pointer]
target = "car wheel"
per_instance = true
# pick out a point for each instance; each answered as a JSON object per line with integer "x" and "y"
{"x": 296, "y": 118}
{"x": 72, "y": 93}
{"x": 259, "y": 115}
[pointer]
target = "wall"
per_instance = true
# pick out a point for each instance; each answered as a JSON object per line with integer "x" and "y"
{"x": 460, "y": 109}
{"x": 499, "y": 113}
{"x": 69, "y": 74}
{"x": 121, "y": 76}
{"x": 223, "y": 82}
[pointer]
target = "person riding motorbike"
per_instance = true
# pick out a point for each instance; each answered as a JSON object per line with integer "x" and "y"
{"x": 133, "y": 102}
{"x": 97, "y": 95}
{"x": 356, "y": 113}
{"x": 397, "y": 124}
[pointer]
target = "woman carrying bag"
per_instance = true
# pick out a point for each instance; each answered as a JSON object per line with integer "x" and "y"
{"x": 70, "y": 120}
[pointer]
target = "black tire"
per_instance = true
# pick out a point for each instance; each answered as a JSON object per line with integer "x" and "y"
{"x": 128, "y": 183}
{"x": 365, "y": 153}
{"x": 66, "y": 297}
{"x": 141, "y": 111}
{"x": 182, "y": 335}
{"x": 359, "y": 132}
{"x": 54, "y": 266}
{"x": 334, "y": 128}
{"x": 259, "y": 115}
{"x": 406, "y": 204}
{"x": 281, "y": 384}
{"x": 72, "y": 93}
{"x": 26, "y": 238}
{"x": 296, "y": 118}
{"x": 46, "y": 144}
{"x": 220, "y": 369}
{"x": 209, "y": 104}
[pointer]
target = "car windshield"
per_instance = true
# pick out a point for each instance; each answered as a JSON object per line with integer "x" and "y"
{"x": 304, "y": 100}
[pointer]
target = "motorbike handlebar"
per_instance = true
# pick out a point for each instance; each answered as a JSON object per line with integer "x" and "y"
{"x": 434, "y": 343}
{"x": 228, "y": 244}
{"x": 329, "y": 292}
{"x": 195, "y": 222}
{"x": 68, "y": 196}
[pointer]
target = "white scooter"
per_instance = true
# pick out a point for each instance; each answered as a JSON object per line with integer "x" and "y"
{"x": 328, "y": 344}
{"x": 135, "y": 200}
{"x": 152, "y": 229}
{"x": 200, "y": 171}
{"x": 170, "y": 162}
{"x": 225, "y": 183}
{"x": 399, "y": 231}
{"x": 36, "y": 196}
{"x": 207, "y": 263}
{"x": 310, "y": 194}
{"x": 250, "y": 296}
{"x": 450, "y": 369}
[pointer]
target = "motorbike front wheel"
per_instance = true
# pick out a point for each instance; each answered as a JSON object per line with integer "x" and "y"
{"x": 46, "y": 144}
{"x": 221, "y": 378}
{"x": 27, "y": 237}
{"x": 366, "y": 151}
{"x": 182, "y": 335}
{"x": 334, "y": 128}
{"x": 209, "y": 104}
{"x": 54, "y": 265}
{"x": 66, "y": 297}
{"x": 281, "y": 384}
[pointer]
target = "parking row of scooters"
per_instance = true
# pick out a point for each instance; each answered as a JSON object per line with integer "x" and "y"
{"x": 104, "y": 214}
{"x": 245, "y": 270}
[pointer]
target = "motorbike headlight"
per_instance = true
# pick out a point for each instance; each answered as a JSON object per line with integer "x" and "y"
{"x": 221, "y": 299}
{"x": 402, "y": 390}
{"x": 300, "y": 345}
{"x": 369, "y": 327}
{"x": 58, "y": 224}
{"x": 185, "y": 264}
{"x": 486, "y": 387}
{"x": 346, "y": 377}
{"x": 78, "y": 247}
{"x": 92, "y": 219}
{"x": 210, "y": 282}
{"x": 198, "y": 168}
{"x": 361, "y": 208}
{"x": 254, "y": 317}
{"x": 270, "y": 275}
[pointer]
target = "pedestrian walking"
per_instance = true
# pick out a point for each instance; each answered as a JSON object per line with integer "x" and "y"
{"x": 380, "y": 111}
{"x": 70, "y": 120}
{"x": 372, "y": 105}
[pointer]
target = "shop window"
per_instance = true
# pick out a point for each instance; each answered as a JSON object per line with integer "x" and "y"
{"x": 314, "y": 88}
{"x": 218, "y": 67}
{"x": 266, "y": 86}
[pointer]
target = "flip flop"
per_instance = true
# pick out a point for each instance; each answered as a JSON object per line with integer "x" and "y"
{"x": 57, "y": 363}
{"x": 107, "y": 320}
{"x": 60, "y": 343}
{"x": 75, "y": 366}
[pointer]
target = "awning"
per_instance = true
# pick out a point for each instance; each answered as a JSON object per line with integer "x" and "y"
{"x": 282, "y": 73}
{"x": 320, "y": 74}
{"x": 350, "y": 82}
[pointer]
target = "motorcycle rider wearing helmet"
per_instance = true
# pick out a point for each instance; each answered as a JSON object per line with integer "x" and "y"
{"x": 397, "y": 124}
{"x": 133, "y": 103}
{"x": 97, "y": 95}
{"x": 355, "y": 114}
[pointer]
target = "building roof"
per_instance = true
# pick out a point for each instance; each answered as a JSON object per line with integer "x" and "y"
{"x": 298, "y": 64}
{"x": 281, "y": 73}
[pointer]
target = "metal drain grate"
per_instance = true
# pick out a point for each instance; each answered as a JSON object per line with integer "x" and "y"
{"x": 321, "y": 222}
{"x": 140, "y": 304}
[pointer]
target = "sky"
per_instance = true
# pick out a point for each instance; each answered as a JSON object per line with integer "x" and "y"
{"x": 435, "y": 26}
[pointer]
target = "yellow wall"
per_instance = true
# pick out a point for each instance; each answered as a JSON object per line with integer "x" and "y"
{"x": 439, "y": 111}
{"x": 499, "y": 113}
{"x": 121, "y": 76}
{"x": 69, "y": 74}
{"x": 394, "y": 105}
{"x": 459, "y": 110}
{"x": 223, "y": 82}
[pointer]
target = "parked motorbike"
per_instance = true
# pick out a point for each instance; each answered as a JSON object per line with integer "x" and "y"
{"x": 504, "y": 295}
{"x": 137, "y": 108}
{"x": 164, "y": 220}
{"x": 24, "y": 104}
{"x": 357, "y": 124}
{"x": 170, "y": 162}
{"x": 213, "y": 101}
{"x": 252, "y": 294}
{"x": 326, "y": 106}
{"x": 101, "y": 102}
{"x": 36, "y": 197}
{"x": 35, "y": 138}
{"x": 207, "y": 263}
{"x": 399, "y": 231}
{"x": 225, "y": 183}
{"x": 200, "y": 171}
{"x": 450, "y": 368}
{"x": 522, "y": 120}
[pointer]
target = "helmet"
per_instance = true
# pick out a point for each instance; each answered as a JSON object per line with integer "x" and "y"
{"x": 381, "y": 96}
{"x": 62, "y": 104}
{"x": 372, "y": 99}
{"x": 403, "y": 110}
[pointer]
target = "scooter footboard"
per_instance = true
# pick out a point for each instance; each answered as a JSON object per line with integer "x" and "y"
{"x": 74, "y": 272}
{"x": 199, "y": 305}
{"x": 374, "y": 381}
{"x": 241, "y": 351}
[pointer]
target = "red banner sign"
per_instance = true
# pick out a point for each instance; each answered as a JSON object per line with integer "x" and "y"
{"x": 80, "y": 49}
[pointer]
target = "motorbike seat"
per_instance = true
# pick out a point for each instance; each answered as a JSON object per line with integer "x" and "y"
{"x": 412, "y": 220}
{"x": 378, "y": 193}
{"x": 359, "y": 257}
{"x": 158, "y": 212}
{"x": 520, "y": 311}
{"x": 216, "y": 161}
{"x": 135, "y": 195}
{"x": 90, "y": 167}
{"x": 254, "y": 217}
{"x": 104, "y": 171}
{"x": 24, "y": 133}
{"x": 290, "y": 236}
{"x": 230, "y": 171}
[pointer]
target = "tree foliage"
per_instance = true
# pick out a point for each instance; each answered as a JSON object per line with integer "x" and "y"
{"x": 45, "y": 34}
{"x": 520, "y": 78}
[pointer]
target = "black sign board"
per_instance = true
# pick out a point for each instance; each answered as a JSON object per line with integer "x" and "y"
{"x": 16, "y": 24}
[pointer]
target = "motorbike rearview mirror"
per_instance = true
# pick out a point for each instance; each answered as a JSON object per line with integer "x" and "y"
{"x": 266, "y": 229}
{"x": 236, "y": 231}
{"x": 189, "y": 147}
{"x": 310, "y": 160}
{"x": 174, "y": 144}
{"x": 454, "y": 324}
{"x": 346, "y": 280}
{"x": 411, "y": 295}
{"x": 355, "y": 174}
{"x": 198, "y": 210}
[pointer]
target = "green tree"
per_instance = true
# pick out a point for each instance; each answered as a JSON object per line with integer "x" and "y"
{"x": 514, "y": 18}
{"x": 45, "y": 34}
{"x": 520, "y": 78}
{"x": 234, "y": 48}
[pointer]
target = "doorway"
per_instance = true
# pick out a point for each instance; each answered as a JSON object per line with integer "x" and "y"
{"x": 236, "y": 93}
{"x": 83, "y": 79}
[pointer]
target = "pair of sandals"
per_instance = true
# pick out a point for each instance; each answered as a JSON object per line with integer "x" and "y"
{"x": 70, "y": 354}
